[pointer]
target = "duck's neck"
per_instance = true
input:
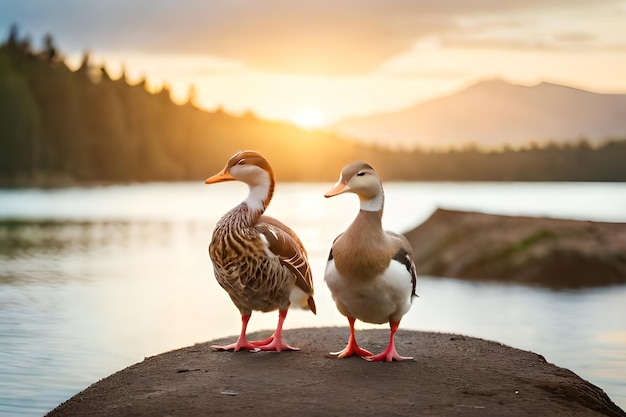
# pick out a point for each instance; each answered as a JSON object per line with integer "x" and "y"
{"x": 361, "y": 252}
{"x": 374, "y": 204}
{"x": 370, "y": 217}
{"x": 257, "y": 200}
{"x": 368, "y": 222}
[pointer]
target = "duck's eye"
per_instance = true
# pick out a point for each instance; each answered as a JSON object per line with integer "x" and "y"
{"x": 243, "y": 161}
{"x": 360, "y": 174}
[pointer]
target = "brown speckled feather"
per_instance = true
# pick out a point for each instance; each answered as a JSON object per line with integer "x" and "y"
{"x": 258, "y": 260}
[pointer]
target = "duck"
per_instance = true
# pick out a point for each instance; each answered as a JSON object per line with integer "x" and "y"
{"x": 370, "y": 272}
{"x": 259, "y": 261}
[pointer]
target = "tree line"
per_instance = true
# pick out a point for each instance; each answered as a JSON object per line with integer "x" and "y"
{"x": 59, "y": 127}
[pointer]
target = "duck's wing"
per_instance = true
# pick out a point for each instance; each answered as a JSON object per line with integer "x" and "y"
{"x": 404, "y": 255}
{"x": 285, "y": 244}
{"x": 330, "y": 253}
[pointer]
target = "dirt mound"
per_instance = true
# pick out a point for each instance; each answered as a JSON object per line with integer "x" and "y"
{"x": 451, "y": 375}
{"x": 554, "y": 253}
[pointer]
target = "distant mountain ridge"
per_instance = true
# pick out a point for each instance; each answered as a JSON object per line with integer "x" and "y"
{"x": 493, "y": 113}
{"x": 61, "y": 127}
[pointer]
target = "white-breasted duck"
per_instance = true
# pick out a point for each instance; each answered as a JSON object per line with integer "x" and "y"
{"x": 370, "y": 272}
{"x": 259, "y": 261}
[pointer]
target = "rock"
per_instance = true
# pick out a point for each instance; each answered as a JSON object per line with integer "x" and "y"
{"x": 451, "y": 375}
{"x": 554, "y": 253}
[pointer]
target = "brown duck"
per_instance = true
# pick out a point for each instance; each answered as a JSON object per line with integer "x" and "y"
{"x": 258, "y": 260}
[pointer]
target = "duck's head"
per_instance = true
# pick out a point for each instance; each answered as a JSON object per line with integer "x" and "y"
{"x": 253, "y": 169}
{"x": 245, "y": 166}
{"x": 361, "y": 179}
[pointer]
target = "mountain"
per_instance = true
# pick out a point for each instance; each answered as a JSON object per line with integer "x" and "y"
{"x": 493, "y": 113}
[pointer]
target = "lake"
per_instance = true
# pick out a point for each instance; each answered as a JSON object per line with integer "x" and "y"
{"x": 95, "y": 279}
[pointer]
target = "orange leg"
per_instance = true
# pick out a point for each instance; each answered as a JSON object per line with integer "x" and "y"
{"x": 242, "y": 342}
{"x": 352, "y": 348}
{"x": 390, "y": 353}
{"x": 275, "y": 342}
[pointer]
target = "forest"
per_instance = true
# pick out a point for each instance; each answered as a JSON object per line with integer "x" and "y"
{"x": 61, "y": 127}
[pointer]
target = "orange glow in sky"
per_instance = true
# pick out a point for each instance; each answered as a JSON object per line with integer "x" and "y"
{"x": 313, "y": 63}
{"x": 309, "y": 118}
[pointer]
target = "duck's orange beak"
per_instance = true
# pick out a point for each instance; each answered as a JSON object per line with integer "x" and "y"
{"x": 338, "y": 188}
{"x": 219, "y": 177}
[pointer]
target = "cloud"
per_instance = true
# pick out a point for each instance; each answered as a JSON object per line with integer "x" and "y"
{"x": 322, "y": 37}
{"x": 537, "y": 32}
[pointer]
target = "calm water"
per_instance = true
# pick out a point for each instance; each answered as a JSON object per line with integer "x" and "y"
{"x": 95, "y": 279}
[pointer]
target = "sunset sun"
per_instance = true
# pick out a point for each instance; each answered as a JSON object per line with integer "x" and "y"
{"x": 310, "y": 118}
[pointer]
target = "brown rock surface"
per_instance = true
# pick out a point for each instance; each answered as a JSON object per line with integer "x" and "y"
{"x": 451, "y": 375}
{"x": 554, "y": 253}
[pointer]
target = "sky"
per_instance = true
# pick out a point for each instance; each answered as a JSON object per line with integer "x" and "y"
{"x": 313, "y": 62}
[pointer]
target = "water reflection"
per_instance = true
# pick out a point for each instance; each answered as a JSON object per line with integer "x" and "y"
{"x": 79, "y": 300}
{"x": 49, "y": 251}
